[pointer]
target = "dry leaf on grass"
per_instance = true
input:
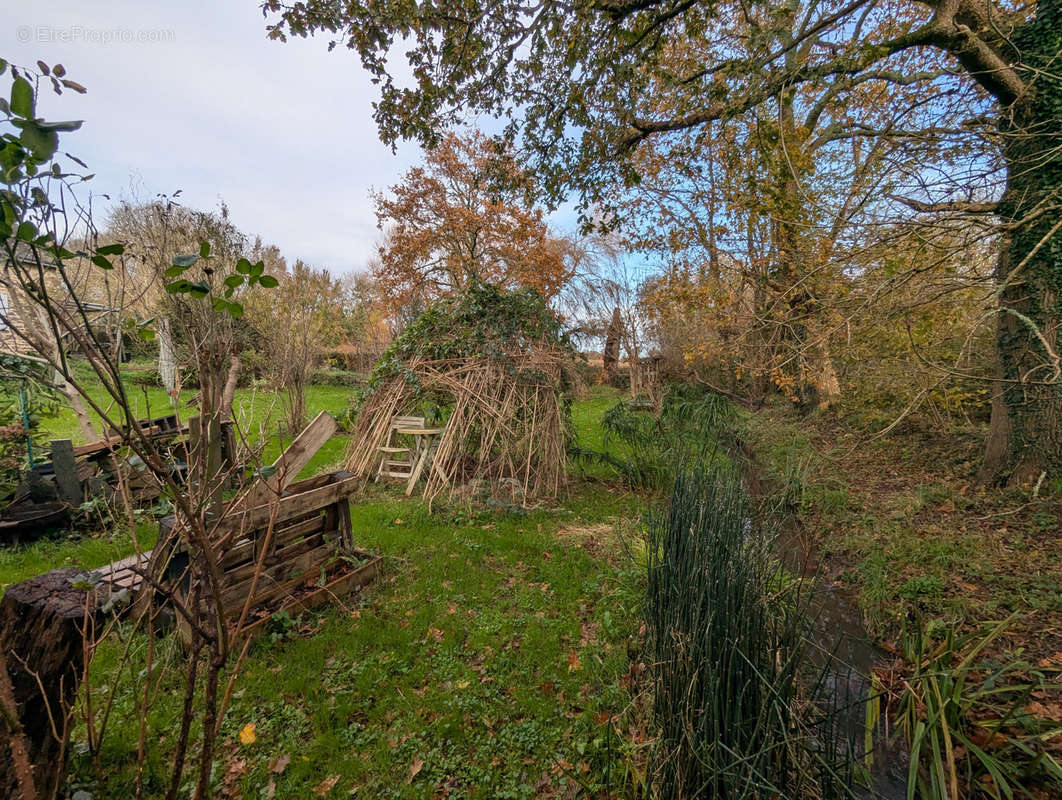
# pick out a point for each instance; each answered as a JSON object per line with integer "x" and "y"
{"x": 247, "y": 734}
{"x": 324, "y": 787}
{"x": 280, "y": 764}
{"x": 415, "y": 768}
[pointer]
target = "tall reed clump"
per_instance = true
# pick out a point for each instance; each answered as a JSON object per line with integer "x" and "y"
{"x": 726, "y": 641}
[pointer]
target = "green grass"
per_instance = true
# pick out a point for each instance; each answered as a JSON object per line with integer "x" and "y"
{"x": 257, "y": 412}
{"x": 82, "y": 550}
{"x": 489, "y": 660}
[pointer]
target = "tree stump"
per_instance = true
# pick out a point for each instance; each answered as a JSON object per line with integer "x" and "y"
{"x": 41, "y": 644}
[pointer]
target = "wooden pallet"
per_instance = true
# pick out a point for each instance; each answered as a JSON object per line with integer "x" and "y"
{"x": 276, "y": 543}
{"x": 341, "y": 585}
{"x": 90, "y": 469}
{"x": 281, "y": 547}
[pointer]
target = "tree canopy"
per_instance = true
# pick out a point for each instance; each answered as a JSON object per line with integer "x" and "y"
{"x": 584, "y": 85}
{"x": 464, "y": 216}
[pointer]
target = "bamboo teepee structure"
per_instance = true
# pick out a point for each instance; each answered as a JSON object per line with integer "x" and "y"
{"x": 495, "y": 362}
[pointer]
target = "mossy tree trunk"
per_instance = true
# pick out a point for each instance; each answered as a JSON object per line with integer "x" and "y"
{"x": 1026, "y": 433}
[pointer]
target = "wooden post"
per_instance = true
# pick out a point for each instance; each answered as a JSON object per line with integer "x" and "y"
{"x": 41, "y": 641}
{"x": 65, "y": 466}
{"x": 293, "y": 459}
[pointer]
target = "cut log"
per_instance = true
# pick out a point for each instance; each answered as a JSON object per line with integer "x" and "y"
{"x": 41, "y": 625}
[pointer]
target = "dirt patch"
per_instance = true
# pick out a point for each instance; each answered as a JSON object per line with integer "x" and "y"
{"x": 607, "y": 541}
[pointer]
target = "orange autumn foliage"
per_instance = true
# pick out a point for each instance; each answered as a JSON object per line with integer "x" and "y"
{"x": 464, "y": 215}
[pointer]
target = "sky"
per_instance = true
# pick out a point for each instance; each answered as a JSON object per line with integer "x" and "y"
{"x": 192, "y": 96}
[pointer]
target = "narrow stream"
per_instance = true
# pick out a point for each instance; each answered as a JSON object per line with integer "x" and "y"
{"x": 839, "y": 631}
{"x": 849, "y": 655}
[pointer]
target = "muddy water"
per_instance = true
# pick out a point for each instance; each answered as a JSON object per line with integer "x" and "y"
{"x": 846, "y": 652}
{"x": 841, "y": 638}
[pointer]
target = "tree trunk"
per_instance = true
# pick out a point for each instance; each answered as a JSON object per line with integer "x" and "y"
{"x": 824, "y": 377}
{"x": 167, "y": 359}
{"x": 84, "y": 419}
{"x": 41, "y": 641}
{"x": 1026, "y": 430}
{"x": 229, "y": 392}
{"x": 610, "y": 358}
{"x": 296, "y": 393}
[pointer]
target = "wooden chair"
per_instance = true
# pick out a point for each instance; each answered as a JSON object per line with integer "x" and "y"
{"x": 396, "y": 461}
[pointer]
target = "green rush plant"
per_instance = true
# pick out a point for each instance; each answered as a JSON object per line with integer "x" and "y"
{"x": 733, "y": 688}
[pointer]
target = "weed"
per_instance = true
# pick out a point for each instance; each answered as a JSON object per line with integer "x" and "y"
{"x": 922, "y": 586}
{"x": 966, "y": 722}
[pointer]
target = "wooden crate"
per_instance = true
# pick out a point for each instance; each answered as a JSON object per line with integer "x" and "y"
{"x": 282, "y": 549}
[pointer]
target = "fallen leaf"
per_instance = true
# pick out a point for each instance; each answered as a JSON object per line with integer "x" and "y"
{"x": 573, "y": 662}
{"x": 280, "y": 764}
{"x": 1051, "y": 660}
{"x": 588, "y": 633}
{"x": 1051, "y": 711}
{"x": 324, "y": 787}
{"x": 271, "y": 790}
{"x": 230, "y": 783}
{"x": 544, "y": 786}
{"x": 247, "y": 734}
{"x": 415, "y": 768}
{"x": 462, "y": 684}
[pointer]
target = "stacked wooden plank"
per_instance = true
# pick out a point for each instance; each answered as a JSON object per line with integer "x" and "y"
{"x": 291, "y": 553}
{"x": 292, "y": 544}
{"x": 90, "y": 469}
{"x": 287, "y": 542}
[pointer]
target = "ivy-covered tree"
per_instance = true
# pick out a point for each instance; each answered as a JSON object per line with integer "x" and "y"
{"x": 581, "y": 85}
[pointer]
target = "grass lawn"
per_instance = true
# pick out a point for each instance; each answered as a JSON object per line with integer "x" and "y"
{"x": 492, "y": 659}
{"x": 257, "y": 410}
